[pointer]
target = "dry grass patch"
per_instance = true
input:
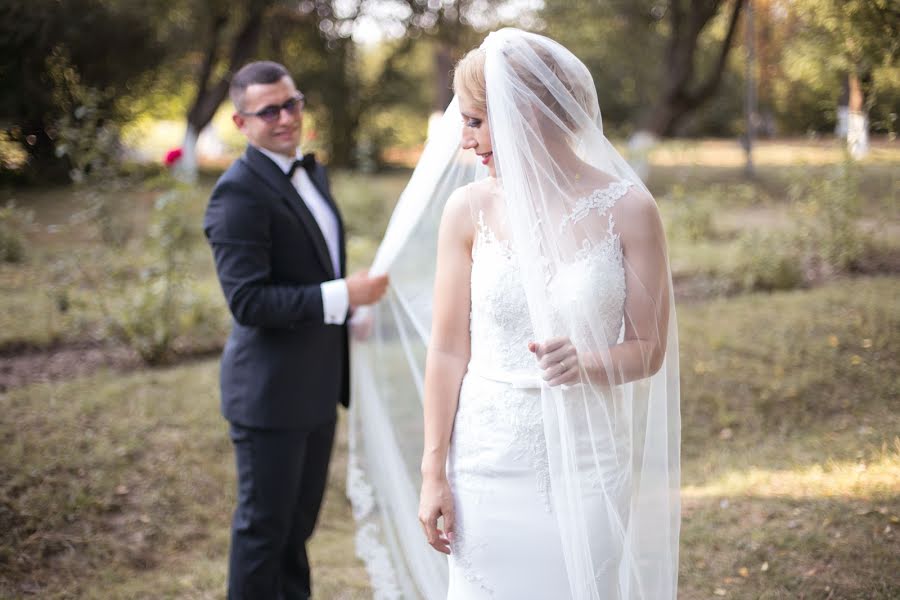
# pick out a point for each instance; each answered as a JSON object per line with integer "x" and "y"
{"x": 122, "y": 487}
{"x": 791, "y": 460}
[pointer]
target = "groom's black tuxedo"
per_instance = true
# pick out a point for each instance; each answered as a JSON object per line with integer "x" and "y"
{"x": 283, "y": 369}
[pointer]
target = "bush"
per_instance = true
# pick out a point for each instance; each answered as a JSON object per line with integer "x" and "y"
{"x": 166, "y": 307}
{"x": 688, "y": 218}
{"x": 824, "y": 241}
{"x": 828, "y": 209}
{"x": 12, "y": 242}
{"x": 769, "y": 261}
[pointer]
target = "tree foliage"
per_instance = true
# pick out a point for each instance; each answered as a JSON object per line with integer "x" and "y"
{"x": 859, "y": 39}
{"x": 655, "y": 63}
{"x": 110, "y": 47}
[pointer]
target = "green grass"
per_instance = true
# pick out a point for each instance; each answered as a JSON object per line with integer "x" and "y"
{"x": 56, "y": 294}
{"x": 791, "y": 454}
{"x": 121, "y": 485}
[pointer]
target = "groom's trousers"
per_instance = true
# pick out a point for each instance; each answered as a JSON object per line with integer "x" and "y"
{"x": 281, "y": 481}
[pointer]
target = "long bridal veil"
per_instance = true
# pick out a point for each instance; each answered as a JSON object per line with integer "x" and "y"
{"x": 613, "y": 439}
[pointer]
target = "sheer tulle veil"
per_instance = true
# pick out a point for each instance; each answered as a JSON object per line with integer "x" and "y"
{"x": 612, "y": 439}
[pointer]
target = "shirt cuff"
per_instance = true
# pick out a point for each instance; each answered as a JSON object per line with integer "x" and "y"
{"x": 335, "y": 301}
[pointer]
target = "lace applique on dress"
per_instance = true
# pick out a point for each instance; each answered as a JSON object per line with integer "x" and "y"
{"x": 602, "y": 199}
{"x": 528, "y": 423}
{"x": 486, "y": 237}
{"x": 463, "y": 548}
{"x": 502, "y": 331}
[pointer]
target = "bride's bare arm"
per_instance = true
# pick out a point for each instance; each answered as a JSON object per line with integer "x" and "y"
{"x": 643, "y": 347}
{"x": 445, "y": 365}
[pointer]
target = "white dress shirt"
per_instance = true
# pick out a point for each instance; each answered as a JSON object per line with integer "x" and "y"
{"x": 335, "y": 297}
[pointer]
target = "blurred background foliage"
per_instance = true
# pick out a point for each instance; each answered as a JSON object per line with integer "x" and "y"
{"x": 374, "y": 71}
{"x": 111, "y": 315}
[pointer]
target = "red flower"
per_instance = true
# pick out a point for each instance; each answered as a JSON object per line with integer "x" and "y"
{"x": 172, "y": 157}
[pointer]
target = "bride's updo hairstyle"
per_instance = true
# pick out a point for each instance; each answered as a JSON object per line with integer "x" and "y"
{"x": 562, "y": 86}
{"x": 468, "y": 78}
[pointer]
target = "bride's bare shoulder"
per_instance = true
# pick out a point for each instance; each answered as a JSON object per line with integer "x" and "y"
{"x": 463, "y": 204}
{"x": 457, "y": 219}
{"x": 638, "y": 219}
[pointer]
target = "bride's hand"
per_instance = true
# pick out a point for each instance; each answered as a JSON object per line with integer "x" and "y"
{"x": 558, "y": 359}
{"x": 435, "y": 501}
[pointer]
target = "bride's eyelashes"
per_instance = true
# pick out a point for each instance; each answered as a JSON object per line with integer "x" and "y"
{"x": 473, "y": 123}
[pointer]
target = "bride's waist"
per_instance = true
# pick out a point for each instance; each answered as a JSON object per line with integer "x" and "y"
{"x": 515, "y": 377}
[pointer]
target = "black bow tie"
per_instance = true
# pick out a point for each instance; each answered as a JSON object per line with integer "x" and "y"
{"x": 307, "y": 162}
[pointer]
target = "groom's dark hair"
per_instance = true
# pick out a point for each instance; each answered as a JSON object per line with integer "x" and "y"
{"x": 263, "y": 71}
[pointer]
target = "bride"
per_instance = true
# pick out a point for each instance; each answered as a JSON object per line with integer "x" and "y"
{"x": 551, "y": 435}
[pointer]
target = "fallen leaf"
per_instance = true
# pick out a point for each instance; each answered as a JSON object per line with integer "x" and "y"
{"x": 764, "y": 567}
{"x": 121, "y": 490}
{"x": 744, "y": 572}
{"x": 720, "y": 592}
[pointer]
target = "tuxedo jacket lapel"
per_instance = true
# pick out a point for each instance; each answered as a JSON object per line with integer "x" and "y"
{"x": 269, "y": 172}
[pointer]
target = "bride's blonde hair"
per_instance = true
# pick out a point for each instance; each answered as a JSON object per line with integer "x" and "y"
{"x": 468, "y": 78}
{"x": 469, "y": 82}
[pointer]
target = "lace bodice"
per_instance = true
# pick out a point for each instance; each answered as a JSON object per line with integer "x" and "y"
{"x": 500, "y": 324}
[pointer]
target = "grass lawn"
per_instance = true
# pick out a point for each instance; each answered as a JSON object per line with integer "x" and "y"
{"x": 120, "y": 484}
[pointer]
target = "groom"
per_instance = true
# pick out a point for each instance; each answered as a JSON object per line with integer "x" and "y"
{"x": 278, "y": 244}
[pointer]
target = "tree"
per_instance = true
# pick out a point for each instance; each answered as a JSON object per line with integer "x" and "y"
{"x": 654, "y": 63}
{"x": 682, "y": 90}
{"x": 229, "y": 37}
{"x": 865, "y": 36}
{"x": 49, "y": 65}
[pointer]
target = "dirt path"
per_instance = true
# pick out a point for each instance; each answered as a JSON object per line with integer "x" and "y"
{"x": 24, "y": 366}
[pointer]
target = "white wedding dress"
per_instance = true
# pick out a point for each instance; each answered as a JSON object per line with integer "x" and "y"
{"x": 507, "y": 543}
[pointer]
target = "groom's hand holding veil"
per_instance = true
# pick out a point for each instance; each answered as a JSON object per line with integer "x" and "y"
{"x": 436, "y": 501}
{"x": 363, "y": 289}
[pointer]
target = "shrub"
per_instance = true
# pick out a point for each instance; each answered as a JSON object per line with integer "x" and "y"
{"x": 166, "y": 307}
{"x": 688, "y": 218}
{"x": 828, "y": 209}
{"x": 770, "y": 261}
{"x": 825, "y": 240}
{"x": 12, "y": 242}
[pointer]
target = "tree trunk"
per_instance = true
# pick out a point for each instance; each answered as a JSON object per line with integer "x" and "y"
{"x": 343, "y": 99}
{"x": 443, "y": 65}
{"x": 857, "y": 119}
{"x": 186, "y": 167}
{"x": 211, "y": 95}
{"x": 681, "y": 94}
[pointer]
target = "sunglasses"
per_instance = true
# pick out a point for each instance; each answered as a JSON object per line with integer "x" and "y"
{"x": 270, "y": 113}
